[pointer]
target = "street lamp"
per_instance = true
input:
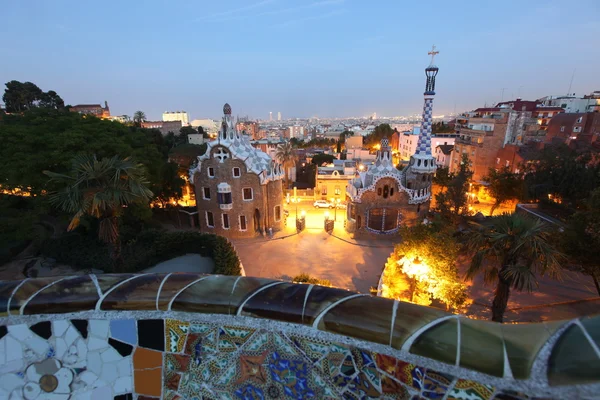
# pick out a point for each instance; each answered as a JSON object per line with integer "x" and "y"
{"x": 336, "y": 203}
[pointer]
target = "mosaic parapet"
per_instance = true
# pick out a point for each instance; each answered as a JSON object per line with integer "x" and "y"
{"x": 552, "y": 357}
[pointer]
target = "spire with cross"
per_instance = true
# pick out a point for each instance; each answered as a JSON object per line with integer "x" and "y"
{"x": 433, "y": 53}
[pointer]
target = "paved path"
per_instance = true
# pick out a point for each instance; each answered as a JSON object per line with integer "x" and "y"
{"x": 188, "y": 263}
{"x": 345, "y": 263}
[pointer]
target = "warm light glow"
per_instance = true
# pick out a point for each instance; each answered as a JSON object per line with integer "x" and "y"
{"x": 303, "y": 214}
{"x": 361, "y": 167}
{"x": 326, "y": 214}
{"x": 377, "y": 147}
{"x": 416, "y": 268}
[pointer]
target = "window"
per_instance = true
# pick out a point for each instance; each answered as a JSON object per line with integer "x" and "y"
{"x": 577, "y": 129}
{"x": 379, "y": 191}
{"x": 247, "y": 193}
{"x": 562, "y": 128}
{"x": 277, "y": 213}
{"x": 386, "y": 191}
{"x": 224, "y": 198}
{"x": 243, "y": 225}
{"x": 382, "y": 219}
{"x": 225, "y": 218}
{"x": 210, "y": 222}
{"x": 507, "y": 163}
{"x": 338, "y": 191}
{"x": 579, "y": 120}
{"x": 211, "y": 172}
{"x": 236, "y": 172}
{"x": 391, "y": 192}
{"x": 324, "y": 190}
{"x": 206, "y": 193}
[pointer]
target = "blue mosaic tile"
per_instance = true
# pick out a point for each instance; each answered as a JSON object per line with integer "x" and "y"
{"x": 124, "y": 330}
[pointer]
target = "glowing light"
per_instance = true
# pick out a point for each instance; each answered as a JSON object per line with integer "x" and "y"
{"x": 326, "y": 214}
{"x": 415, "y": 269}
{"x": 361, "y": 167}
{"x": 303, "y": 213}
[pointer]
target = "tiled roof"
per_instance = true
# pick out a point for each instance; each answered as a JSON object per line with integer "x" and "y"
{"x": 446, "y": 148}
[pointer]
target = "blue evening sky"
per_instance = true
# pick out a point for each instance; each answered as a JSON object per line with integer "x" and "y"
{"x": 326, "y": 58}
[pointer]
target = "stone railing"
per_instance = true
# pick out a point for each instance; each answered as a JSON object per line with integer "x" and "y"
{"x": 183, "y": 336}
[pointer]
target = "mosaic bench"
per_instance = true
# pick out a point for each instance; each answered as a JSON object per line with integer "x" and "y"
{"x": 190, "y": 336}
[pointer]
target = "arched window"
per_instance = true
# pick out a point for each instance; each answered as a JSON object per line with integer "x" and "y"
{"x": 386, "y": 191}
{"x": 382, "y": 219}
{"x": 378, "y": 191}
{"x": 391, "y": 191}
{"x": 418, "y": 162}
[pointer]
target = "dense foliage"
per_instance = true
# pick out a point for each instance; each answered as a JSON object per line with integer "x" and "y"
{"x": 452, "y": 200}
{"x": 423, "y": 267}
{"x": 503, "y": 185}
{"x": 306, "y": 278}
{"x": 22, "y": 96}
{"x": 380, "y": 131}
{"x": 320, "y": 159}
{"x": 146, "y": 250}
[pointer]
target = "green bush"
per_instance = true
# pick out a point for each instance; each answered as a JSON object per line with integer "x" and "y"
{"x": 146, "y": 250}
{"x": 306, "y": 278}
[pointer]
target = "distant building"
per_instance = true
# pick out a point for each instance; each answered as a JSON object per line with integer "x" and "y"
{"x": 354, "y": 142}
{"x": 332, "y": 180}
{"x": 196, "y": 138}
{"x": 249, "y": 128}
{"x": 92, "y": 109}
{"x": 443, "y": 154}
{"x": 581, "y": 127}
{"x": 279, "y": 116}
{"x": 181, "y": 116}
{"x": 209, "y": 125}
{"x": 238, "y": 188}
{"x": 408, "y": 142}
{"x": 573, "y": 104}
{"x": 270, "y": 115}
{"x": 295, "y": 132}
{"x": 515, "y": 157}
{"x": 163, "y": 126}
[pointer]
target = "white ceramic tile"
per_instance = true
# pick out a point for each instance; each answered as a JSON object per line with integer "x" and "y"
{"x": 9, "y": 382}
{"x": 94, "y": 362}
{"x": 96, "y": 344}
{"x": 109, "y": 373}
{"x": 125, "y": 366}
{"x": 39, "y": 346}
{"x": 81, "y": 349}
{"x": 123, "y": 385}
{"x": 110, "y": 355}
{"x": 87, "y": 377}
{"x": 102, "y": 393}
{"x": 71, "y": 335}
{"x": 59, "y": 327}
{"x": 53, "y": 396}
{"x": 14, "y": 349}
{"x": 12, "y": 366}
{"x": 99, "y": 328}
{"x": 60, "y": 348}
{"x": 20, "y": 332}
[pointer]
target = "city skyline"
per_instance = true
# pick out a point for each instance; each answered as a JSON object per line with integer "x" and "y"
{"x": 300, "y": 58}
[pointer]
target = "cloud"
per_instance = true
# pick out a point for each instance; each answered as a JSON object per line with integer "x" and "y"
{"x": 236, "y": 10}
{"x": 312, "y": 18}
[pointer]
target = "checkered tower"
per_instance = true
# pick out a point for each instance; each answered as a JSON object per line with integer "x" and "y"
{"x": 422, "y": 162}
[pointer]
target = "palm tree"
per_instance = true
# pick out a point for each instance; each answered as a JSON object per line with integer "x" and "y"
{"x": 509, "y": 250}
{"x": 138, "y": 118}
{"x": 286, "y": 156}
{"x": 101, "y": 188}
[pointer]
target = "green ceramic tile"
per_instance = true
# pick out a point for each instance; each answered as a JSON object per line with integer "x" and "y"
{"x": 523, "y": 342}
{"x": 107, "y": 281}
{"x": 481, "y": 346}
{"x": 319, "y": 299}
{"x": 282, "y": 302}
{"x": 438, "y": 342}
{"x": 410, "y": 318}
{"x": 573, "y": 360}
{"x": 210, "y": 295}
{"x": 172, "y": 286}
{"x": 136, "y": 294}
{"x": 366, "y": 317}
{"x": 592, "y": 327}
{"x": 70, "y": 295}
{"x": 6, "y": 289}
{"x": 28, "y": 289}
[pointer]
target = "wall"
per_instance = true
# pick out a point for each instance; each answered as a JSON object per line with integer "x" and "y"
{"x": 179, "y": 336}
{"x": 195, "y": 139}
{"x": 265, "y": 198}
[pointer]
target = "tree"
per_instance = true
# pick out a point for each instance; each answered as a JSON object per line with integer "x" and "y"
{"x": 138, "y": 118}
{"x": 441, "y": 127}
{"x": 442, "y": 177}
{"x": 380, "y": 131}
{"x": 454, "y": 201}
{"x": 581, "y": 238}
{"x": 170, "y": 185}
{"x": 509, "y": 250}
{"x": 23, "y": 96}
{"x": 286, "y": 156}
{"x": 423, "y": 267}
{"x": 204, "y": 134}
{"x": 100, "y": 188}
{"x": 503, "y": 186}
{"x": 320, "y": 159}
{"x": 184, "y": 132}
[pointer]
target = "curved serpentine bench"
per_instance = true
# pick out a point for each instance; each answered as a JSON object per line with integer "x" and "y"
{"x": 207, "y": 336}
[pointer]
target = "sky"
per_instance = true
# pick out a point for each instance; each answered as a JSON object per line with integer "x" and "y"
{"x": 305, "y": 58}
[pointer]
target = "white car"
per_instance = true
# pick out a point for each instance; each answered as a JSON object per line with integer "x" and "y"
{"x": 322, "y": 204}
{"x": 341, "y": 206}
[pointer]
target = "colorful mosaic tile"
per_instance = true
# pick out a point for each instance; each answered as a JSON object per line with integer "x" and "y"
{"x": 175, "y": 333}
{"x": 465, "y": 389}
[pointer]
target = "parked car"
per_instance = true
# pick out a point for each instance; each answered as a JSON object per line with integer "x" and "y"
{"x": 341, "y": 206}
{"x": 322, "y": 204}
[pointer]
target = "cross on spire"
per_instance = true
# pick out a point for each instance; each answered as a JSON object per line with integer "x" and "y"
{"x": 432, "y": 53}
